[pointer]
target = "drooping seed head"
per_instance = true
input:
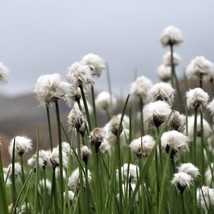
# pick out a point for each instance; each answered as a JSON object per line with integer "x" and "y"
{"x": 20, "y": 145}
{"x": 95, "y": 62}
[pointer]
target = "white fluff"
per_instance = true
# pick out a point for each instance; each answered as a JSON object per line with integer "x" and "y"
{"x": 171, "y": 36}
{"x": 95, "y": 62}
{"x": 200, "y": 67}
{"x": 161, "y": 91}
{"x": 105, "y": 101}
{"x": 176, "y": 141}
{"x": 190, "y": 169}
{"x": 140, "y": 87}
{"x": 21, "y": 145}
{"x": 142, "y": 146}
{"x": 164, "y": 73}
{"x": 156, "y": 110}
{"x": 167, "y": 59}
{"x": 196, "y": 98}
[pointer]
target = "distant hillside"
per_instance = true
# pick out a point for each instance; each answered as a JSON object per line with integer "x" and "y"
{"x": 22, "y": 115}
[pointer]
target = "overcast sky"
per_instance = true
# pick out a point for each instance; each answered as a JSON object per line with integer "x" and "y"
{"x": 46, "y": 36}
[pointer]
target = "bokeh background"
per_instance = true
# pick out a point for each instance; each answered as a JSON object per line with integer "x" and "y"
{"x": 47, "y": 36}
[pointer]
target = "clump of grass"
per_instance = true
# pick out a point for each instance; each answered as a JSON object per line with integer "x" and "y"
{"x": 157, "y": 160}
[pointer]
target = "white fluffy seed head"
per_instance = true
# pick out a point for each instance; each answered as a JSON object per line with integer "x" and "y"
{"x": 164, "y": 73}
{"x": 210, "y": 107}
{"x": 66, "y": 148}
{"x": 105, "y": 147}
{"x": 167, "y": 59}
{"x": 17, "y": 171}
{"x": 54, "y": 158}
{"x": 72, "y": 93}
{"x": 95, "y": 62}
{"x": 45, "y": 185}
{"x": 140, "y": 87}
{"x": 156, "y": 113}
{"x": 48, "y": 88}
{"x": 161, "y": 91}
{"x": 125, "y": 121}
{"x": 142, "y": 146}
{"x": 4, "y": 71}
{"x": 206, "y": 128}
{"x": 79, "y": 75}
{"x": 190, "y": 169}
{"x": 96, "y": 137}
{"x": 205, "y": 197}
{"x": 209, "y": 175}
{"x": 76, "y": 120}
{"x": 21, "y": 145}
{"x": 85, "y": 153}
{"x": 129, "y": 171}
{"x": 74, "y": 179}
{"x": 196, "y": 98}
{"x": 200, "y": 68}
{"x": 57, "y": 173}
{"x": 104, "y": 101}
{"x": 181, "y": 180}
{"x": 174, "y": 143}
{"x": 171, "y": 36}
{"x": 115, "y": 126}
{"x": 43, "y": 159}
{"x": 90, "y": 109}
{"x": 70, "y": 195}
{"x": 177, "y": 121}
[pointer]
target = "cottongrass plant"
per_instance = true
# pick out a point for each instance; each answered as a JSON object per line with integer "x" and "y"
{"x": 4, "y": 71}
{"x": 172, "y": 36}
{"x": 201, "y": 69}
{"x": 164, "y": 73}
{"x": 160, "y": 163}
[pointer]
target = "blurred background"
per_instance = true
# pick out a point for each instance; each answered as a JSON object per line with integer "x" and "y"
{"x": 40, "y": 37}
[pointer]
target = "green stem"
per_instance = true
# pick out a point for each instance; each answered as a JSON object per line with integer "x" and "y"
{"x": 202, "y": 147}
{"x": 86, "y": 125}
{"x": 194, "y": 136}
{"x": 109, "y": 87}
{"x": 141, "y": 118}
{"x": 54, "y": 194}
{"x": 172, "y": 163}
{"x": 45, "y": 187}
{"x": 3, "y": 198}
{"x": 178, "y": 92}
{"x": 86, "y": 108}
{"x": 24, "y": 189}
{"x": 160, "y": 148}
{"x": 49, "y": 126}
{"x": 98, "y": 184}
{"x": 94, "y": 106}
{"x": 212, "y": 86}
{"x": 166, "y": 166}
{"x": 36, "y": 201}
{"x": 119, "y": 174}
{"x": 22, "y": 170}
{"x": 60, "y": 153}
{"x": 14, "y": 194}
{"x": 158, "y": 180}
{"x": 201, "y": 81}
{"x": 172, "y": 65}
{"x": 182, "y": 203}
{"x": 195, "y": 198}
